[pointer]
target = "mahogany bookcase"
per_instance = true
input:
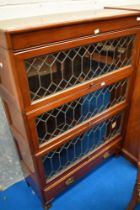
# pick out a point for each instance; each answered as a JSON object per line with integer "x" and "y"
{"x": 70, "y": 89}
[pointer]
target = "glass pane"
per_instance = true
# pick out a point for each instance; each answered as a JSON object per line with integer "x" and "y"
{"x": 55, "y": 72}
{"x": 73, "y": 151}
{"x": 59, "y": 120}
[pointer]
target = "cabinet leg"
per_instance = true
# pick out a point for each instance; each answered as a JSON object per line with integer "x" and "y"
{"x": 117, "y": 155}
{"x": 47, "y": 206}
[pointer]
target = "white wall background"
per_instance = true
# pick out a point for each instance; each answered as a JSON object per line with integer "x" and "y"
{"x": 10, "y": 170}
{"x": 23, "y": 2}
{"x": 21, "y": 8}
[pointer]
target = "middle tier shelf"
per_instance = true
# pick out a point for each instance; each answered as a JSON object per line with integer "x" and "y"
{"x": 59, "y": 120}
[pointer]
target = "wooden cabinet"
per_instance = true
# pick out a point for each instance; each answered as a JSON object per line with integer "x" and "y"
{"x": 69, "y": 87}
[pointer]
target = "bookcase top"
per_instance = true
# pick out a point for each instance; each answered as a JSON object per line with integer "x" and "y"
{"x": 53, "y": 20}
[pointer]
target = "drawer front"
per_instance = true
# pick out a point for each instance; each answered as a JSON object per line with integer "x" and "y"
{"x": 59, "y": 160}
{"x": 61, "y": 119}
{"x": 50, "y": 35}
{"x": 52, "y": 73}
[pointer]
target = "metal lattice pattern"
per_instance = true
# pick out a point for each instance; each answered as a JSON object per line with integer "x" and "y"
{"x": 59, "y": 120}
{"x": 72, "y": 152}
{"x": 54, "y": 72}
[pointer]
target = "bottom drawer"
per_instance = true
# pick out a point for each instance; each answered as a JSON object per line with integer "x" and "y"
{"x": 60, "y": 184}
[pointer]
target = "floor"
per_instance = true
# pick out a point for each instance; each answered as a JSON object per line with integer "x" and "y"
{"x": 10, "y": 170}
{"x": 107, "y": 187}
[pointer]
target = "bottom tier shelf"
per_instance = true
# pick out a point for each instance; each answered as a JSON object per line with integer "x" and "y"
{"x": 72, "y": 153}
{"x": 61, "y": 183}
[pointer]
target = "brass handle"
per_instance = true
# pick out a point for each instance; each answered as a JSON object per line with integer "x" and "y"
{"x": 92, "y": 84}
{"x": 69, "y": 181}
{"x": 106, "y": 155}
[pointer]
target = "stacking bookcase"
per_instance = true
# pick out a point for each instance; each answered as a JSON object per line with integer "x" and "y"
{"x": 69, "y": 87}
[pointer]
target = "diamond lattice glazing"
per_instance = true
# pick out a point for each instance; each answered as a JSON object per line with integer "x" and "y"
{"x": 48, "y": 74}
{"x": 73, "y": 151}
{"x": 59, "y": 120}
